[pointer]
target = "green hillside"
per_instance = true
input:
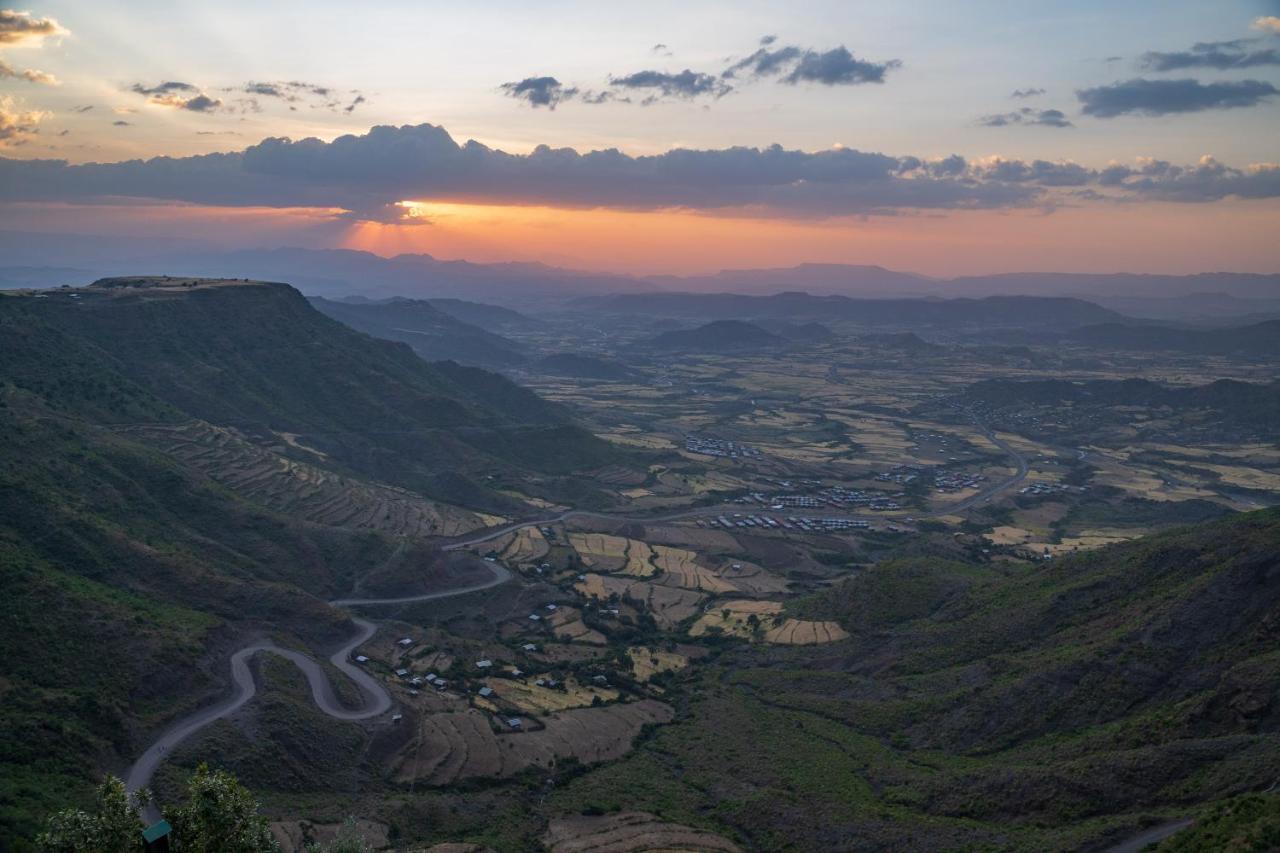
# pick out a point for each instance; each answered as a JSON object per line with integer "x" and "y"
{"x": 128, "y": 571}
{"x": 1048, "y": 708}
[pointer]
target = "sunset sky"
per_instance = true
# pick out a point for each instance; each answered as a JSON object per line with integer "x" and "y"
{"x": 939, "y": 137}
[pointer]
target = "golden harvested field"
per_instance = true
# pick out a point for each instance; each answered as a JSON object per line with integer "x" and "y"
{"x": 453, "y": 746}
{"x": 803, "y": 632}
{"x": 532, "y": 699}
{"x": 680, "y": 569}
{"x": 1237, "y": 475}
{"x": 1007, "y": 535}
{"x": 630, "y": 832}
{"x": 600, "y": 550}
{"x": 643, "y": 440}
{"x": 566, "y": 624}
{"x": 647, "y": 662}
{"x": 524, "y": 546}
{"x": 669, "y": 605}
{"x": 734, "y": 618}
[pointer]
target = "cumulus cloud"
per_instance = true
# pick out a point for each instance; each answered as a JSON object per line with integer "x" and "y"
{"x": 1268, "y": 24}
{"x": 1163, "y": 97}
{"x": 17, "y": 125}
{"x": 1222, "y": 55}
{"x": 31, "y": 75}
{"x": 371, "y": 172}
{"x": 539, "y": 91}
{"x": 1026, "y": 115}
{"x": 1206, "y": 181}
{"x": 20, "y": 28}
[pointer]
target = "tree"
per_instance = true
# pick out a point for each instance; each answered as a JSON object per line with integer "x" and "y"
{"x": 219, "y": 816}
{"x": 113, "y": 827}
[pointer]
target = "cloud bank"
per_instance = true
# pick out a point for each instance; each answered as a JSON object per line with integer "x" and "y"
{"x": 1163, "y": 97}
{"x": 366, "y": 174}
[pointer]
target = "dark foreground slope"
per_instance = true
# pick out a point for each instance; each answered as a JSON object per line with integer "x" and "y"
{"x": 128, "y": 571}
{"x": 1059, "y": 707}
{"x": 258, "y": 357}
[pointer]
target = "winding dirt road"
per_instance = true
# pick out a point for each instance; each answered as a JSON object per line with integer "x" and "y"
{"x": 376, "y": 699}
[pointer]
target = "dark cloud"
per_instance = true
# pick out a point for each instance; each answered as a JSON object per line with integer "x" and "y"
{"x": 369, "y": 173}
{"x": 20, "y": 28}
{"x": 298, "y": 92}
{"x": 838, "y": 67}
{"x": 660, "y": 49}
{"x": 787, "y": 64}
{"x": 540, "y": 91}
{"x": 1026, "y": 115}
{"x": 121, "y": 123}
{"x": 167, "y": 88}
{"x": 1026, "y": 93}
{"x": 791, "y": 64}
{"x": 1222, "y": 55}
{"x": 1163, "y": 97}
{"x": 1040, "y": 172}
{"x": 684, "y": 84}
{"x": 83, "y": 108}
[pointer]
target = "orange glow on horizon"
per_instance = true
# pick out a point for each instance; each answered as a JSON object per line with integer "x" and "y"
{"x": 1096, "y": 238}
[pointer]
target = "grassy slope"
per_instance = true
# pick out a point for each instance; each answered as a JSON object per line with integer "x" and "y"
{"x": 1034, "y": 710}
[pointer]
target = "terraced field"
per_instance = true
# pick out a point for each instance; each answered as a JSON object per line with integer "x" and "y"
{"x": 567, "y": 624}
{"x": 669, "y": 605}
{"x": 532, "y": 699}
{"x": 306, "y": 491}
{"x": 630, "y": 832}
{"x": 465, "y": 745}
{"x": 524, "y": 546}
{"x": 735, "y": 618}
{"x": 679, "y": 567}
{"x": 647, "y": 662}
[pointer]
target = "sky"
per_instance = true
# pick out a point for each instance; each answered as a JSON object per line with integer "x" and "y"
{"x": 938, "y": 137}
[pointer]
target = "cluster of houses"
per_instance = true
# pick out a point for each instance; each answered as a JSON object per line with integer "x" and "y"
{"x": 1043, "y": 489}
{"x": 707, "y": 446}
{"x": 791, "y": 522}
{"x": 948, "y": 482}
{"x": 839, "y": 497}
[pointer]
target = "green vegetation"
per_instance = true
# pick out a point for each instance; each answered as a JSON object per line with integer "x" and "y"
{"x": 219, "y": 816}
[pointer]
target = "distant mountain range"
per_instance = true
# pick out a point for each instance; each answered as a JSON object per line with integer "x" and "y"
{"x": 430, "y": 332}
{"x": 994, "y": 311}
{"x": 337, "y": 273}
